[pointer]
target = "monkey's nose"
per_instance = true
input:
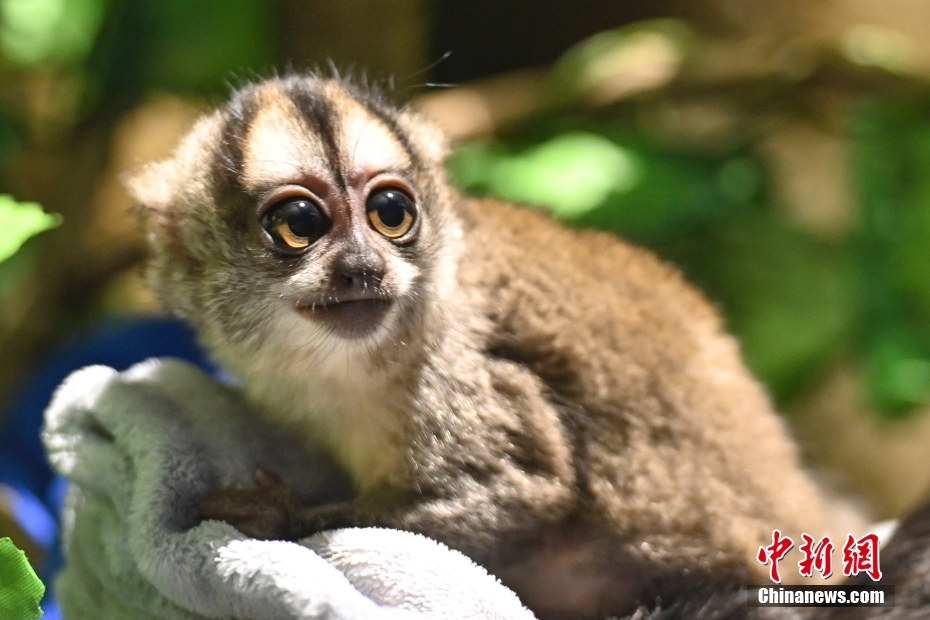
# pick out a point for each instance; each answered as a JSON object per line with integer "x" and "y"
{"x": 360, "y": 279}
{"x": 359, "y": 271}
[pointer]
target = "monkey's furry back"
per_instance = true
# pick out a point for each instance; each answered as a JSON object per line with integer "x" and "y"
{"x": 541, "y": 397}
{"x": 668, "y": 427}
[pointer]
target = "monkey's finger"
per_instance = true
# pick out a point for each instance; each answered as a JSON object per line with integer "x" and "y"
{"x": 267, "y": 479}
{"x": 230, "y": 505}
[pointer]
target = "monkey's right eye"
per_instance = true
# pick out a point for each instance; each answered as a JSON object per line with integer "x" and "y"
{"x": 295, "y": 223}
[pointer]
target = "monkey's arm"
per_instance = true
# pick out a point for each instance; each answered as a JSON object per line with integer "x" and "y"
{"x": 271, "y": 511}
{"x": 508, "y": 499}
{"x": 494, "y": 463}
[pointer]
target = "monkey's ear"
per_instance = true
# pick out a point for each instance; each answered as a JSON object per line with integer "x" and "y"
{"x": 154, "y": 190}
{"x": 158, "y": 187}
{"x": 429, "y": 139}
{"x": 154, "y": 187}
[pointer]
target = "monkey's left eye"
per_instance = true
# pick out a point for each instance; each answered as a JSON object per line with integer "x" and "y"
{"x": 391, "y": 212}
{"x": 295, "y": 223}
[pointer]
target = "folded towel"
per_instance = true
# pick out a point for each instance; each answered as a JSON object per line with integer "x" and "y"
{"x": 143, "y": 447}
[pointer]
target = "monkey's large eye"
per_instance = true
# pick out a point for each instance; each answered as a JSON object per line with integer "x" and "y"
{"x": 391, "y": 212}
{"x": 295, "y": 223}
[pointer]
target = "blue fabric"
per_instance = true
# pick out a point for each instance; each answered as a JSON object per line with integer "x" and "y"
{"x": 38, "y": 492}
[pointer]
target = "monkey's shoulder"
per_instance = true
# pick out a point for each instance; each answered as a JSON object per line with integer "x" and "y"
{"x": 529, "y": 267}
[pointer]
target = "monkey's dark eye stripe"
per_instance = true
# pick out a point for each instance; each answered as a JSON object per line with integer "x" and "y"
{"x": 391, "y": 212}
{"x": 295, "y": 223}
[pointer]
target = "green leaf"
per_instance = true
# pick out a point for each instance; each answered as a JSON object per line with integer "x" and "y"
{"x": 572, "y": 173}
{"x": 20, "y": 588}
{"x": 19, "y": 221}
{"x": 594, "y": 174}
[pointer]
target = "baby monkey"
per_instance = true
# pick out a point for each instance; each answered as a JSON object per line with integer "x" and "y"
{"x": 556, "y": 404}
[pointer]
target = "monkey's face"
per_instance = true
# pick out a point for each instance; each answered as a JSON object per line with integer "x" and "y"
{"x": 305, "y": 222}
{"x": 348, "y": 257}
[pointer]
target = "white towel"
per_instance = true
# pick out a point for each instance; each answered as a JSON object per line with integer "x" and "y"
{"x": 143, "y": 447}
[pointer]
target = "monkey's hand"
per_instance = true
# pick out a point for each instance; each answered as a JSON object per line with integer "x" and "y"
{"x": 267, "y": 512}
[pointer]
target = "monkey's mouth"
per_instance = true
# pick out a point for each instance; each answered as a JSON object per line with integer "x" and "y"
{"x": 351, "y": 318}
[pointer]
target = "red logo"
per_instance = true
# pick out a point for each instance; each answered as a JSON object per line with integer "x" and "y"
{"x": 775, "y": 552}
{"x": 819, "y": 556}
{"x": 859, "y": 556}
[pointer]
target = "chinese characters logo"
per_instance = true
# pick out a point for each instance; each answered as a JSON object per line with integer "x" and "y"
{"x": 859, "y": 556}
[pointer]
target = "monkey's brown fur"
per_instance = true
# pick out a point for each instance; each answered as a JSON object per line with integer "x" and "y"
{"x": 559, "y": 405}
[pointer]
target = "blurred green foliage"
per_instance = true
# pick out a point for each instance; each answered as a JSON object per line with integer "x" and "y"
{"x": 33, "y": 32}
{"x": 19, "y": 221}
{"x": 599, "y": 174}
{"x": 892, "y": 164}
{"x": 187, "y": 47}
